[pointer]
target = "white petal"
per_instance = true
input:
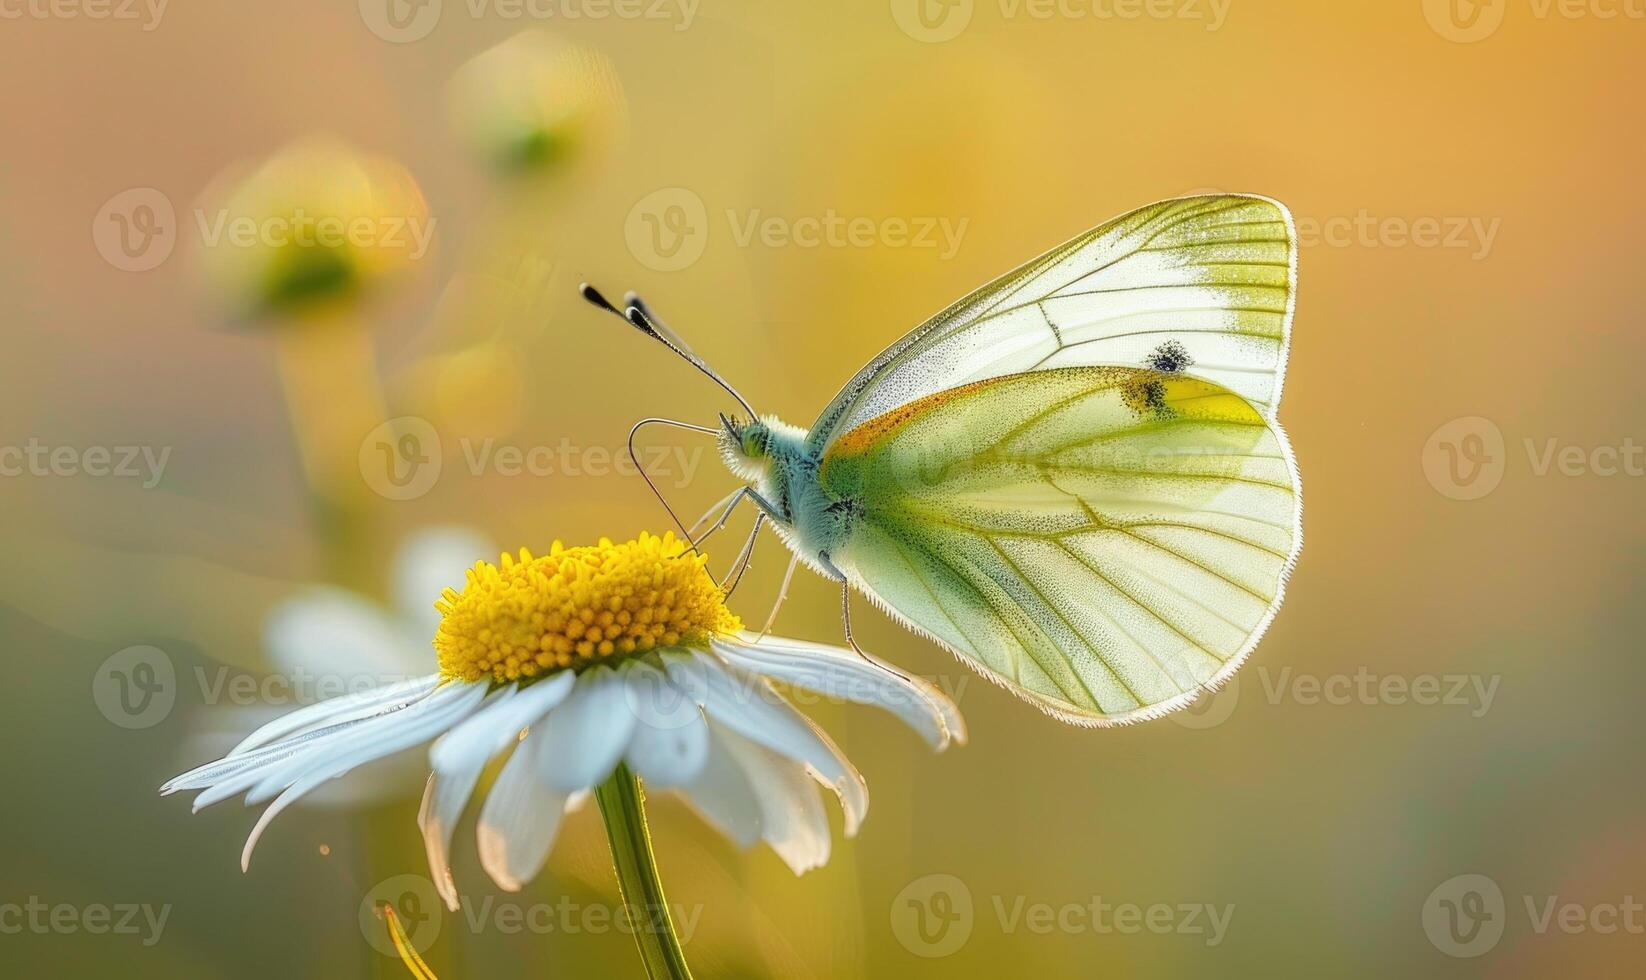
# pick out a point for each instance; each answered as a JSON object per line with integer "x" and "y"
{"x": 842, "y": 674}
{"x": 229, "y": 776}
{"x": 430, "y": 561}
{"x": 670, "y": 744}
{"x": 747, "y": 704}
{"x": 335, "y": 633}
{"x": 338, "y": 754}
{"x": 460, "y": 756}
{"x": 497, "y": 725}
{"x": 333, "y": 710}
{"x": 444, "y": 798}
{"x": 402, "y": 730}
{"x": 722, "y": 794}
{"x": 588, "y": 732}
{"x": 792, "y": 820}
{"x": 521, "y": 815}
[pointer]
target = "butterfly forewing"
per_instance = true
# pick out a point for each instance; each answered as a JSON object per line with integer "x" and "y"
{"x": 1208, "y": 279}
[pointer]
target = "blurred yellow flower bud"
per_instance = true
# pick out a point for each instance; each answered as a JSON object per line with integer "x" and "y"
{"x": 312, "y": 229}
{"x": 537, "y": 103}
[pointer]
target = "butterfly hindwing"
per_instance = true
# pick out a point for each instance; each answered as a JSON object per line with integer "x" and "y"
{"x": 1106, "y": 541}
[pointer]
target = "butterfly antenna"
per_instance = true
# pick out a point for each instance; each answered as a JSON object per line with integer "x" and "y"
{"x": 639, "y": 315}
{"x": 634, "y": 457}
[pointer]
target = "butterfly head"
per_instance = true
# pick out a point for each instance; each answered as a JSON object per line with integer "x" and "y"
{"x": 746, "y": 445}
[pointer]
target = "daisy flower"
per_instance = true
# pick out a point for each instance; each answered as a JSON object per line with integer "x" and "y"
{"x": 580, "y": 666}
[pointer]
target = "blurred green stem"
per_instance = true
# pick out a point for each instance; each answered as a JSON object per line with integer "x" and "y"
{"x": 328, "y": 370}
{"x": 623, "y": 804}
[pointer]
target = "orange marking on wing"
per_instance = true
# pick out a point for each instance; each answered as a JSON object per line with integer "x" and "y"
{"x": 867, "y": 434}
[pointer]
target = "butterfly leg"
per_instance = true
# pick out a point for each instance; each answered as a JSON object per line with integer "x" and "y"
{"x": 725, "y": 515}
{"x": 708, "y": 515}
{"x": 745, "y": 558}
{"x": 782, "y": 597}
{"x": 846, "y": 618}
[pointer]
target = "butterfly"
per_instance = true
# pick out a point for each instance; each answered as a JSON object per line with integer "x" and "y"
{"x": 1073, "y": 478}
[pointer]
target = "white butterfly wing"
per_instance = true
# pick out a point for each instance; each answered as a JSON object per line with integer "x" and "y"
{"x": 1073, "y": 478}
{"x": 1214, "y": 275}
{"x": 1106, "y": 542}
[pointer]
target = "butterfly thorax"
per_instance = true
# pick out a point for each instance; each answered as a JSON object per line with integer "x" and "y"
{"x": 773, "y": 457}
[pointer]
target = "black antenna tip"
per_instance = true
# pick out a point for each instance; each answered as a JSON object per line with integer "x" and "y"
{"x": 637, "y": 316}
{"x": 594, "y": 296}
{"x": 632, "y": 299}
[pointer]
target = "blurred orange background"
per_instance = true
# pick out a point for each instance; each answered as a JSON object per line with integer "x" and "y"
{"x": 1466, "y": 179}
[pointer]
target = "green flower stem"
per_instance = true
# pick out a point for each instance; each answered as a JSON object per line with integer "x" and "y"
{"x": 328, "y": 370}
{"x": 623, "y": 804}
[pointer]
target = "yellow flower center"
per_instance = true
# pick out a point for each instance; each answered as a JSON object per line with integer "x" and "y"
{"x": 575, "y": 607}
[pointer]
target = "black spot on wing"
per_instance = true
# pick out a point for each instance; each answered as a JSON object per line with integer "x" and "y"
{"x": 1169, "y": 358}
